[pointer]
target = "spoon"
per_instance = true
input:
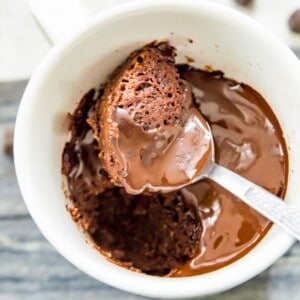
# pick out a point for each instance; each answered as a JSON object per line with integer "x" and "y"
{"x": 258, "y": 198}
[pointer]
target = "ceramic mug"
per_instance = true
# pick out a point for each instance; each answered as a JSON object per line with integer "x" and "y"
{"x": 223, "y": 39}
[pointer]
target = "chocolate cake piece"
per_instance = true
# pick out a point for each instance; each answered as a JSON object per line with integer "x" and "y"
{"x": 148, "y": 88}
{"x": 155, "y": 234}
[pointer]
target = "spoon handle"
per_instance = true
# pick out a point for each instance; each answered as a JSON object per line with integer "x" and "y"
{"x": 270, "y": 206}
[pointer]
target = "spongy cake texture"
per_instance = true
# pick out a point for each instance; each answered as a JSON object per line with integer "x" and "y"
{"x": 148, "y": 87}
{"x": 154, "y": 233}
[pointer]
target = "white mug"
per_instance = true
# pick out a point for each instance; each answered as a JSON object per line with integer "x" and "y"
{"x": 222, "y": 39}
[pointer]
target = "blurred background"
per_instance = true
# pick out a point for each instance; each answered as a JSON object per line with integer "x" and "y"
{"x": 29, "y": 267}
{"x": 23, "y": 44}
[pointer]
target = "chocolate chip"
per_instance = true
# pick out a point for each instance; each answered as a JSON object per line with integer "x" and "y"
{"x": 8, "y": 138}
{"x": 243, "y": 2}
{"x": 294, "y": 21}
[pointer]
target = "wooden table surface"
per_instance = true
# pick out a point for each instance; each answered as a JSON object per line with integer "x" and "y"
{"x": 31, "y": 269}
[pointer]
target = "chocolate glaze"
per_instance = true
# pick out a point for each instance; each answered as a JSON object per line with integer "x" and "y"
{"x": 202, "y": 227}
{"x": 164, "y": 158}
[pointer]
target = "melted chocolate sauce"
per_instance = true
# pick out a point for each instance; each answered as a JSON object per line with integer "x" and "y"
{"x": 202, "y": 227}
{"x": 164, "y": 159}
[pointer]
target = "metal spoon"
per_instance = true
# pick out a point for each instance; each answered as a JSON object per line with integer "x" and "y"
{"x": 264, "y": 202}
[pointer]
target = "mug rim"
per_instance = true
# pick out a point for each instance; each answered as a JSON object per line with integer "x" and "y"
{"x": 142, "y": 284}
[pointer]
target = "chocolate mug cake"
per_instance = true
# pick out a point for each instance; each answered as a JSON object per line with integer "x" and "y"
{"x": 199, "y": 228}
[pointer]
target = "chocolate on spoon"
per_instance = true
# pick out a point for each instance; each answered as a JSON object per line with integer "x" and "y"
{"x": 147, "y": 126}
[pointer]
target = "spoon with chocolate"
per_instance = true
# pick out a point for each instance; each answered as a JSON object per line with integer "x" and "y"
{"x": 155, "y": 139}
